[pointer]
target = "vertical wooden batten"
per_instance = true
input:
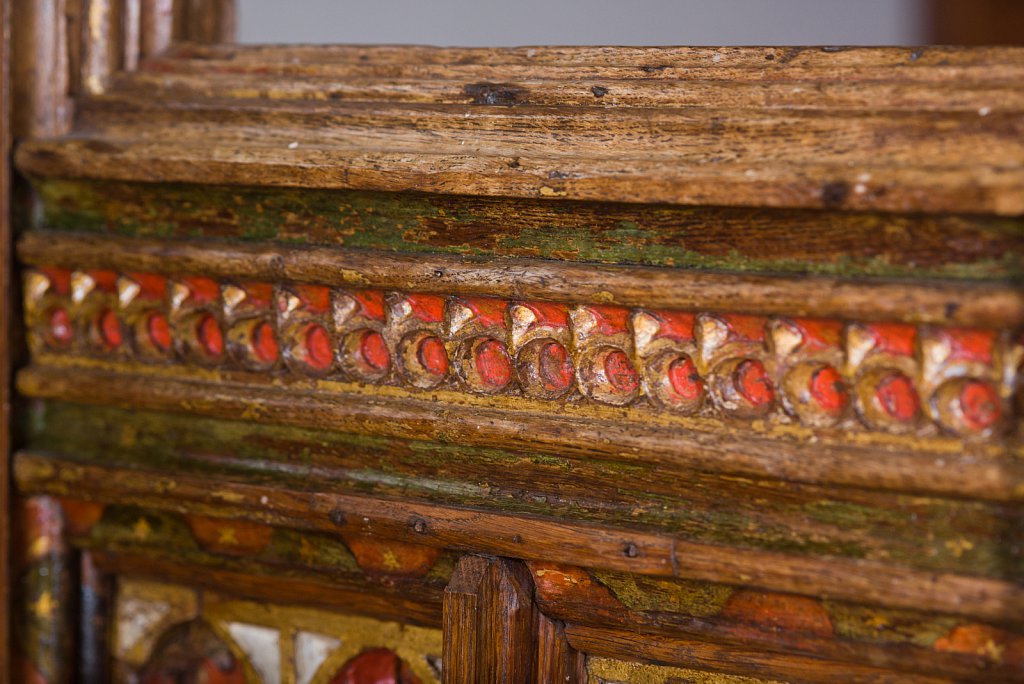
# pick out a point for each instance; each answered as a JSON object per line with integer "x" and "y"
{"x": 40, "y": 69}
{"x": 489, "y": 622}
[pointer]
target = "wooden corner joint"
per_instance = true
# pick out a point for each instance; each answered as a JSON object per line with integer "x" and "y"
{"x": 494, "y": 630}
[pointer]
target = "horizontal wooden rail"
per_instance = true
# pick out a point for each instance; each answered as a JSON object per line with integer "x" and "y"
{"x": 527, "y": 538}
{"x": 600, "y": 433}
{"x": 944, "y": 303}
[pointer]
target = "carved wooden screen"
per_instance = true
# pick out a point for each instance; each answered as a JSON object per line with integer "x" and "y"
{"x": 356, "y": 364}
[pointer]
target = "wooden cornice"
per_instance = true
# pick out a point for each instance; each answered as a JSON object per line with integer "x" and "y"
{"x": 902, "y": 130}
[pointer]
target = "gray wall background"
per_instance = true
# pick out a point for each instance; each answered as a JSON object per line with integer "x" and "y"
{"x": 583, "y": 22}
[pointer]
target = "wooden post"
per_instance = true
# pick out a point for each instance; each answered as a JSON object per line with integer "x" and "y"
{"x": 95, "y": 588}
{"x": 557, "y": 661}
{"x": 489, "y": 622}
{"x": 43, "y": 617}
{"x": 40, "y": 69}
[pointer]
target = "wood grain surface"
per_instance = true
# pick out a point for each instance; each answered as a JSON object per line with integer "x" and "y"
{"x": 468, "y": 122}
{"x": 936, "y": 302}
{"x": 529, "y": 538}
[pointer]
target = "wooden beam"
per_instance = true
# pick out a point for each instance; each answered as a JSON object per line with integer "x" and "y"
{"x": 598, "y": 432}
{"x": 529, "y": 538}
{"x": 422, "y": 609}
{"x": 737, "y": 146}
{"x": 942, "y": 303}
{"x": 702, "y": 655}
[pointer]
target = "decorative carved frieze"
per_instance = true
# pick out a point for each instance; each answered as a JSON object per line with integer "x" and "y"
{"x": 889, "y": 377}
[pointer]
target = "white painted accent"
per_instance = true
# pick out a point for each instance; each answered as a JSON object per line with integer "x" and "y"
{"x": 263, "y": 648}
{"x": 137, "y": 619}
{"x": 311, "y": 650}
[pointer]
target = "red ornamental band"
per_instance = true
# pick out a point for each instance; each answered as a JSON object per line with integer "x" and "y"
{"x": 888, "y": 377}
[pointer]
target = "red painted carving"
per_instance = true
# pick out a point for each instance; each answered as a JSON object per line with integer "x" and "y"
{"x": 152, "y": 287}
{"x": 749, "y": 328}
{"x": 620, "y": 372}
{"x": 191, "y": 653}
{"x": 493, "y": 364}
{"x": 817, "y": 334}
{"x": 432, "y": 356}
{"x": 209, "y": 336}
{"x": 979, "y": 404}
{"x": 61, "y": 333}
{"x": 829, "y": 391}
{"x": 778, "y": 612}
{"x": 374, "y": 350}
{"x": 427, "y": 308}
{"x": 994, "y": 644}
{"x": 609, "y": 320}
{"x": 81, "y": 516}
{"x": 110, "y": 330}
{"x": 318, "y": 352}
{"x": 687, "y": 363}
{"x": 313, "y": 298}
{"x": 894, "y": 338}
{"x": 159, "y": 331}
{"x": 60, "y": 279}
{"x": 897, "y": 396}
{"x": 376, "y": 666}
{"x": 202, "y": 291}
{"x": 753, "y": 383}
{"x": 555, "y": 367}
{"x": 684, "y": 379}
{"x": 970, "y": 345}
{"x": 553, "y": 315}
{"x": 675, "y": 325}
{"x": 264, "y": 342}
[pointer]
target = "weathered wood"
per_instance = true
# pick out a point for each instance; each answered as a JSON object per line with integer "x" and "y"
{"x": 557, "y": 660}
{"x": 156, "y": 26}
{"x": 961, "y": 304}
{"x": 40, "y": 70}
{"x": 728, "y": 151}
{"x": 489, "y": 622}
{"x": 204, "y": 21}
{"x": 778, "y": 567}
{"x": 276, "y": 588}
{"x": 923, "y": 532}
{"x": 706, "y": 656}
{"x": 950, "y": 471}
{"x": 734, "y": 239}
{"x": 532, "y": 538}
{"x": 44, "y": 615}
{"x": 102, "y": 45}
{"x": 775, "y": 623}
